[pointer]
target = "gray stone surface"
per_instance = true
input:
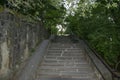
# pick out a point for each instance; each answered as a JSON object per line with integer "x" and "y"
{"x": 32, "y": 65}
{"x": 62, "y": 79}
{"x": 18, "y": 39}
{"x": 68, "y": 63}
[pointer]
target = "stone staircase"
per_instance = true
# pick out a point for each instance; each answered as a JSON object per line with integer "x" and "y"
{"x": 65, "y": 60}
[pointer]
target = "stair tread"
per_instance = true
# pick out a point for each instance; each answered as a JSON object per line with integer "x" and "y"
{"x": 65, "y": 61}
{"x": 63, "y": 79}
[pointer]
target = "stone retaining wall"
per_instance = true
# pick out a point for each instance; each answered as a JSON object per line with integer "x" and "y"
{"x": 18, "y": 39}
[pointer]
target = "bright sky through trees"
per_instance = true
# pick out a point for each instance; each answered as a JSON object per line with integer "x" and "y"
{"x": 71, "y": 5}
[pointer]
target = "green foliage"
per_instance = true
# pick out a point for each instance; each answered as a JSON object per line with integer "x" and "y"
{"x": 54, "y": 30}
{"x": 49, "y": 12}
{"x": 2, "y": 2}
{"x": 1, "y": 8}
{"x": 98, "y": 23}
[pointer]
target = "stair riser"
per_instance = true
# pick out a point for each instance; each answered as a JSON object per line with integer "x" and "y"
{"x": 65, "y": 60}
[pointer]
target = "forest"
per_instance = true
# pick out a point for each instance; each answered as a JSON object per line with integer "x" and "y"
{"x": 96, "y": 21}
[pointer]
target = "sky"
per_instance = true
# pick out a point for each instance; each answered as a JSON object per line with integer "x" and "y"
{"x": 70, "y": 5}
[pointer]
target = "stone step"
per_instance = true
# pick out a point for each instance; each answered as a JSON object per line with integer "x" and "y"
{"x": 68, "y": 70}
{"x": 68, "y": 44}
{"x": 55, "y": 48}
{"x": 81, "y": 70}
{"x": 80, "y": 73}
{"x": 70, "y": 47}
{"x": 64, "y": 57}
{"x": 63, "y": 62}
{"x": 80, "y": 55}
{"x": 59, "y": 58}
{"x": 72, "y": 54}
{"x": 62, "y": 67}
{"x": 65, "y": 72}
{"x": 65, "y": 44}
{"x": 67, "y": 75}
{"x": 54, "y": 51}
{"x": 57, "y": 78}
{"x": 52, "y": 64}
{"x": 63, "y": 48}
{"x": 70, "y": 58}
{"x": 67, "y": 52}
{"x": 54, "y": 54}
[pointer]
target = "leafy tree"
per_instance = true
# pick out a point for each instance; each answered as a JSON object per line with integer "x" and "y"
{"x": 50, "y": 12}
{"x": 98, "y": 23}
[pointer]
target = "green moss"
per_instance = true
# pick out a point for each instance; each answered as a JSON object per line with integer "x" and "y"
{"x": 32, "y": 51}
{"x": 1, "y": 9}
{"x": 38, "y": 43}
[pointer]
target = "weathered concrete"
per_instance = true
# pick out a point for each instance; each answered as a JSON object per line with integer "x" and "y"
{"x": 29, "y": 70}
{"x": 18, "y": 39}
{"x": 5, "y": 59}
